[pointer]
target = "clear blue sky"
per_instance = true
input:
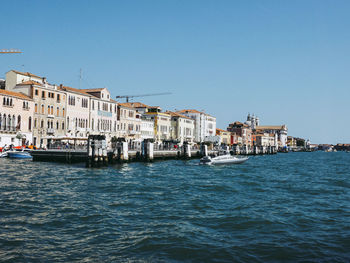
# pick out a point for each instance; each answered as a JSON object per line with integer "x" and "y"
{"x": 286, "y": 61}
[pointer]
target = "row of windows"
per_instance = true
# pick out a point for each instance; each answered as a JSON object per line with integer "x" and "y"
{"x": 71, "y": 100}
{"x": 50, "y": 110}
{"x": 49, "y": 95}
{"x": 12, "y": 123}
{"x": 105, "y": 106}
{"x": 79, "y": 123}
{"x": 50, "y": 124}
{"x": 84, "y": 103}
{"x": 9, "y": 102}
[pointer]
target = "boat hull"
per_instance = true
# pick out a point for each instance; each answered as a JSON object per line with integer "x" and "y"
{"x": 19, "y": 155}
{"x": 227, "y": 159}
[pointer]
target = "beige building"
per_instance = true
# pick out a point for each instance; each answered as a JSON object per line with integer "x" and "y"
{"x": 266, "y": 139}
{"x": 182, "y": 128}
{"x": 49, "y": 105}
{"x": 162, "y": 124}
{"x": 16, "y": 118}
{"x": 129, "y": 122}
{"x": 225, "y": 136}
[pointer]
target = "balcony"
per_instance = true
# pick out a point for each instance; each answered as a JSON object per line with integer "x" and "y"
{"x": 51, "y": 116}
{"x": 132, "y": 132}
{"x": 50, "y": 131}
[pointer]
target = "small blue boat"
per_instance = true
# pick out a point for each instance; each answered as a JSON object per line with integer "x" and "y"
{"x": 19, "y": 155}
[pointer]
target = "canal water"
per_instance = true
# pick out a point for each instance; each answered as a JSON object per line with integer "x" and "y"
{"x": 283, "y": 208}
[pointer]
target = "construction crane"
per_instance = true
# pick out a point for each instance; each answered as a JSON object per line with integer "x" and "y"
{"x": 10, "y": 51}
{"x": 127, "y": 97}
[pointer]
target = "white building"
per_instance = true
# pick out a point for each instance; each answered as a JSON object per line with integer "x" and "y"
{"x": 266, "y": 139}
{"x": 147, "y": 128}
{"x": 103, "y": 113}
{"x": 77, "y": 112}
{"x": 205, "y": 125}
{"x": 182, "y": 128}
{"x": 280, "y": 132}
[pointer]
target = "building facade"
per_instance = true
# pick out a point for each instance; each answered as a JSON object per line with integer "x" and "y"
{"x": 16, "y": 119}
{"x": 241, "y": 130}
{"x": 205, "y": 125}
{"x": 280, "y": 131}
{"x": 129, "y": 122}
{"x": 103, "y": 113}
{"x": 182, "y": 128}
{"x": 49, "y": 105}
{"x": 77, "y": 113}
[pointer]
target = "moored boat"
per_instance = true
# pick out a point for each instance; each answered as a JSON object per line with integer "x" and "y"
{"x": 19, "y": 154}
{"x": 223, "y": 159}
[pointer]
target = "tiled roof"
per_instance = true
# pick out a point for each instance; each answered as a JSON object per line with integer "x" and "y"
{"x": 278, "y": 127}
{"x": 14, "y": 94}
{"x": 126, "y": 105}
{"x": 26, "y": 74}
{"x": 29, "y": 82}
{"x": 175, "y": 114}
{"x": 66, "y": 88}
{"x": 221, "y": 130}
{"x": 191, "y": 111}
{"x": 93, "y": 90}
{"x": 137, "y": 105}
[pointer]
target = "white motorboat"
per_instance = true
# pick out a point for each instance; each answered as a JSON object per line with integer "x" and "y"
{"x": 223, "y": 159}
{"x": 3, "y": 154}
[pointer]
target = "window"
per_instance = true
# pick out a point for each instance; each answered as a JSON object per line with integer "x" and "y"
{"x": 63, "y": 112}
{"x": 42, "y": 109}
{"x": 18, "y": 126}
{"x": 42, "y": 124}
{"x": 58, "y": 97}
{"x": 43, "y": 94}
{"x": 30, "y": 123}
{"x": 58, "y": 111}
{"x": 36, "y": 92}
{"x": 62, "y": 125}
{"x": 36, "y": 108}
{"x": 35, "y": 123}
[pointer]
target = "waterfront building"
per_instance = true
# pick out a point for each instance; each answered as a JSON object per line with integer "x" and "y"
{"x": 225, "y": 136}
{"x": 103, "y": 113}
{"x": 129, "y": 122}
{"x": 205, "y": 125}
{"x": 147, "y": 128}
{"x": 16, "y": 118}
{"x": 242, "y": 130}
{"x": 49, "y": 105}
{"x": 280, "y": 131}
{"x": 77, "y": 113}
{"x": 265, "y": 140}
{"x": 162, "y": 124}
{"x": 182, "y": 128}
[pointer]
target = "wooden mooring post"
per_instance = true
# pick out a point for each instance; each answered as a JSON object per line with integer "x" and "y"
{"x": 97, "y": 151}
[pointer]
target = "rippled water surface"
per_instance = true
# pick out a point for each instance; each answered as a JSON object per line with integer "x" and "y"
{"x": 287, "y": 207}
